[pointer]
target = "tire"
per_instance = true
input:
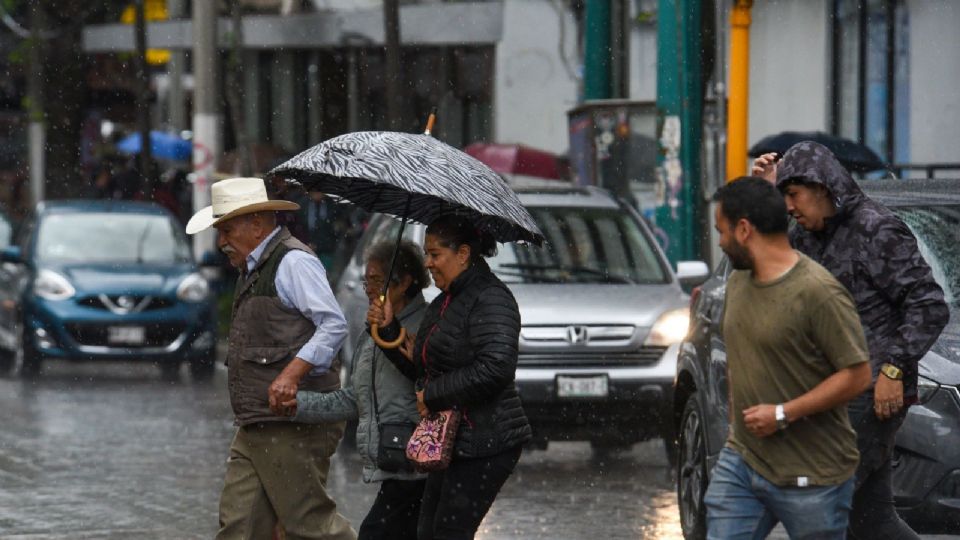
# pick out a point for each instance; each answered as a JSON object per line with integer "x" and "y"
{"x": 692, "y": 478}
{"x": 202, "y": 369}
{"x": 32, "y": 359}
{"x": 8, "y": 359}
{"x": 170, "y": 371}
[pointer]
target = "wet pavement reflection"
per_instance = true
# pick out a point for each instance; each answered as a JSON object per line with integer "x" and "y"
{"x": 112, "y": 451}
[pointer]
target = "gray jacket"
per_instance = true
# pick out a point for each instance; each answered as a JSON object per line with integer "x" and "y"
{"x": 395, "y": 396}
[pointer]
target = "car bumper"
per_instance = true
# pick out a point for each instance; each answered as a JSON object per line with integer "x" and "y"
{"x": 636, "y": 406}
{"x": 65, "y": 331}
{"x": 926, "y": 475}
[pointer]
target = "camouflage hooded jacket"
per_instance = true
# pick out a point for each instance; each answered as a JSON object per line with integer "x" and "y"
{"x": 875, "y": 256}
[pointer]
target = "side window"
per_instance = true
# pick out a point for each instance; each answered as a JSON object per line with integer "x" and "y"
{"x": 384, "y": 228}
{"x": 6, "y": 232}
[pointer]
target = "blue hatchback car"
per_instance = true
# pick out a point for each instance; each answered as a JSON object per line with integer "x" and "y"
{"x": 107, "y": 280}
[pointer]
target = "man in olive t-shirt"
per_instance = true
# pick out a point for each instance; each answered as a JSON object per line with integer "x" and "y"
{"x": 796, "y": 354}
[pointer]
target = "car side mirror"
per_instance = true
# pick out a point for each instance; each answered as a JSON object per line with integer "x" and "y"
{"x": 211, "y": 266}
{"x": 692, "y": 273}
{"x": 11, "y": 254}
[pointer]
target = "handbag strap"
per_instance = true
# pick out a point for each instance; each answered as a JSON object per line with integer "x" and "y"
{"x": 373, "y": 384}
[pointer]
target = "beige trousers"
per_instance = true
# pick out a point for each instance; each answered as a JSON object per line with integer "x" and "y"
{"x": 277, "y": 473}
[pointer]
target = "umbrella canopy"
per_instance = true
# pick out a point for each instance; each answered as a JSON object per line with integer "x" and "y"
{"x": 854, "y": 156}
{"x": 162, "y": 145}
{"x": 412, "y": 176}
{"x": 516, "y": 159}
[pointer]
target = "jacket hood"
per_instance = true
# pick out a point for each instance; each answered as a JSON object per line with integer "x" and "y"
{"x": 814, "y": 163}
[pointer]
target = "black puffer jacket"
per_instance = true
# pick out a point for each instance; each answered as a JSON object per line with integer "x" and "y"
{"x": 466, "y": 357}
{"x": 875, "y": 256}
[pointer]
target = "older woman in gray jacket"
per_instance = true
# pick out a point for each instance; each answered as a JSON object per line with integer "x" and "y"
{"x": 374, "y": 380}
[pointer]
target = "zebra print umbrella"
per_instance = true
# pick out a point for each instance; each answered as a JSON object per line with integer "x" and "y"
{"x": 412, "y": 176}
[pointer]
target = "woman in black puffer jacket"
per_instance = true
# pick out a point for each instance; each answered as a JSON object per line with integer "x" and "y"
{"x": 464, "y": 356}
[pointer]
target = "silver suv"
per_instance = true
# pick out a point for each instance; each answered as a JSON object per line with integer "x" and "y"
{"x": 602, "y": 314}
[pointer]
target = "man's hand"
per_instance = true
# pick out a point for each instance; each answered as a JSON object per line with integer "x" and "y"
{"x": 887, "y": 397}
{"x": 765, "y": 167}
{"x": 380, "y": 313}
{"x": 288, "y": 408}
{"x": 421, "y": 406}
{"x": 761, "y": 420}
{"x": 284, "y": 387}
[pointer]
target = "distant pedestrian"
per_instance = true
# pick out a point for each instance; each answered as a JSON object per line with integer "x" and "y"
{"x": 284, "y": 335}
{"x": 378, "y": 395}
{"x": 464, "y": 357}
{"x": 902, "y": 309}
{"x": 796, "y": 354}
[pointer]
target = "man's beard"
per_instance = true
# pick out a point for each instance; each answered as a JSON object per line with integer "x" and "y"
{"x": 739, "y": 257}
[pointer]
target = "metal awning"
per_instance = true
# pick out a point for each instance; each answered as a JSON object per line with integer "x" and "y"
{"x": 469, "y": 23}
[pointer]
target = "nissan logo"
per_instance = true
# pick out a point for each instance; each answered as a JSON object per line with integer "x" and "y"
{"x": 577, "y": 334}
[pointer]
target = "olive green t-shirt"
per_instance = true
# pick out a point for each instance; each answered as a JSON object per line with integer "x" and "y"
{"x": 783, "y": 338}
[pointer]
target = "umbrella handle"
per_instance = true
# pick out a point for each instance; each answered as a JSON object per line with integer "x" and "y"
{"x": 387, "y": 344}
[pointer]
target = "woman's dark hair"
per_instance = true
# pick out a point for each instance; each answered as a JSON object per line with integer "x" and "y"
{"x": 454, "y": 231}
{"x": 409, "y": 263}
{"x": 755, "y": 200}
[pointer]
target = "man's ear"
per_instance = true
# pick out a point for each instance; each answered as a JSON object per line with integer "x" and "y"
{"x": 743, "y": 230}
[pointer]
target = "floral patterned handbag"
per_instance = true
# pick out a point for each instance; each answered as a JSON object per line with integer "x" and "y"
{"x": 431, "y": 446}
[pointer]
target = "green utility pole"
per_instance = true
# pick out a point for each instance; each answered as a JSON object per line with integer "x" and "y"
{"x": 679, "y": 127}
{"x": 596, "y": 50}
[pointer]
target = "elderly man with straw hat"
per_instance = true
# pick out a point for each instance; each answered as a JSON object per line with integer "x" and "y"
{"x": 285, "y": 332}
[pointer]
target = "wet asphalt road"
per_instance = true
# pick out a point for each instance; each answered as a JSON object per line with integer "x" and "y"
{"x": 111, "y": 451}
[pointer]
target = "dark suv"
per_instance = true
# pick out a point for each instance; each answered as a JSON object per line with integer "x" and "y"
{"x": 926, "y": 479}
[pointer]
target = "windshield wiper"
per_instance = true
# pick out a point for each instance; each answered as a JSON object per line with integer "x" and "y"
{"x": 538, "y": 279}
{"x": 613, "y": 278}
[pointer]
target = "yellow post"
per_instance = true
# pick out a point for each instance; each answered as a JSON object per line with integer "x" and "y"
{"x": 739, "y": 89}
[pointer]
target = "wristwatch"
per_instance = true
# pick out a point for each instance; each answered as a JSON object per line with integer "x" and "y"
{"x": 781, "y": 417}
{"x": 892, "y": 371}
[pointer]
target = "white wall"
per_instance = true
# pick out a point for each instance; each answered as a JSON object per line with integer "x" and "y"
{"x": 789, "y": 67}
{"x": 533, "y": 87}
{"x": 934, "y": 80}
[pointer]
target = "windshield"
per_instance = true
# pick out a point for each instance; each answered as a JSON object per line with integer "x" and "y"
{"x": 937, "y": 229}
{"x": 104, "y": 237}
{"x": 583, "y": 245}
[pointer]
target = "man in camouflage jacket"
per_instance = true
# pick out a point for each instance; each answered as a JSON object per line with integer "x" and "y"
{"x": 902, "y": 309}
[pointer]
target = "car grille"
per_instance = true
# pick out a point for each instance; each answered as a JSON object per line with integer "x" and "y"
{"x": 95, "y": 335}
{"x": 644, "y": 356}
{"x": 137, "y": 303}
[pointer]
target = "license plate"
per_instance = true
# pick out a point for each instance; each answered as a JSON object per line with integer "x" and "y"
{"x": 126, "y": 335}
{"x": 582, "y": 386}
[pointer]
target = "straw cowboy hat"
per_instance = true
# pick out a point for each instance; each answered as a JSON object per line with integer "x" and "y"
{"x": 235, "y": 197}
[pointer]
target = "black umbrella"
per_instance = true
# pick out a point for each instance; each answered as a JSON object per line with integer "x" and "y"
{"x": 854, "y": 156}
{"x": 413, "y": 177}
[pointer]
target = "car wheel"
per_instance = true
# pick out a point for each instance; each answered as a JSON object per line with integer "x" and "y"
{"x": 202, "y": 369}
{"x": 32, "y": 359}
{"x": 170, "y": 371}
{"x": 692, "y": 472}
{"x": 8, "y": 359}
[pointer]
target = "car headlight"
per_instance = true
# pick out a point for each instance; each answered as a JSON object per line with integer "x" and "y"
{"x": 193, "y": 288}
{"x": 926, "y": 389}
{"x": 670, "y": 328}
{"x": 50, "y": 285}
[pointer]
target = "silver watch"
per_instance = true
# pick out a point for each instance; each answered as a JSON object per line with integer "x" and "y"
{"x": 781, "y": 417}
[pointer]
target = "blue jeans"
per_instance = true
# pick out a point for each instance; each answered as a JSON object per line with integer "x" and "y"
{"x": 741, "y": 504}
